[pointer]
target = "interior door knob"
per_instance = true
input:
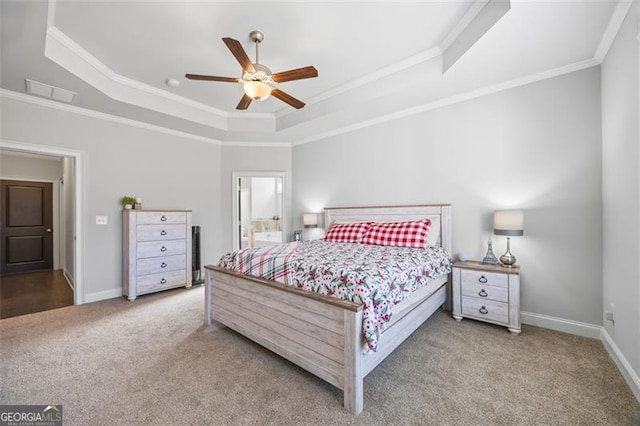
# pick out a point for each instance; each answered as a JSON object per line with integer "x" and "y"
{"x": 48, "y": 229}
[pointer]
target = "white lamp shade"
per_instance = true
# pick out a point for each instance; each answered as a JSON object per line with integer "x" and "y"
{"x": 257, "y": 90}
{"x": 310, "y": 220}
{"x": 508, "y": 222}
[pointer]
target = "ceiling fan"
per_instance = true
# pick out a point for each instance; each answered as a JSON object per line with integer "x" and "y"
{"x": 257, "y": 79}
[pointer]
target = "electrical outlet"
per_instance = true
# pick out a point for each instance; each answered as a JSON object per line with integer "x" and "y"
{"x": 610, "y": 314}
{"x": 101, "y": 220}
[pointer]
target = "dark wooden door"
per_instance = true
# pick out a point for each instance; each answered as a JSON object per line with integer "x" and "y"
{"x": 26, "y": 231}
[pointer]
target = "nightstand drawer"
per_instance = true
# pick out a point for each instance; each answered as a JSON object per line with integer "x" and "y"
{"x": 484, "y": 291}
{"x": 484, "y": 278}
{"x": 485, "y": 309}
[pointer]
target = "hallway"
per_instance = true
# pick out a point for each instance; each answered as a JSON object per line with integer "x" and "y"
{"x": 30, "y": 292}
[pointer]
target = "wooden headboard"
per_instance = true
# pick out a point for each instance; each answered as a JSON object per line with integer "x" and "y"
{"x": 440, "y": 214}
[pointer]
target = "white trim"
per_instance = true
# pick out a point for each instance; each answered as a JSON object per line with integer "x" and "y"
{"x": 78, "y": 156}
{"x": 468, "y": 17}
{"x": 103, "y": 295}
{"x": 560, "y": 324}
{"x": 488, "y": 90}
{"x": 621, "y": 362}
{"x": 16, "y": 96}
{"x": 617, "y": 18}
{"x": 56, "y": 218}
{"x": 67, "y": 277}
{"x": 257, "y": 144}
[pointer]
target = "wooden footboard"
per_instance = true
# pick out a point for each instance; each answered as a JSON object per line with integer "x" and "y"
{"x": 319, "y": 333}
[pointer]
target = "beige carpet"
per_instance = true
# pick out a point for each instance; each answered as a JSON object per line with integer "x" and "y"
{"x": 153, "y": 362}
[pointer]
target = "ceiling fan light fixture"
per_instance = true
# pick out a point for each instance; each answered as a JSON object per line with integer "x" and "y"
{"x": 257, "y": 90}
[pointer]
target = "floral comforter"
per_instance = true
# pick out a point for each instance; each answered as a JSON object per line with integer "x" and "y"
{"x": 379, "y": 277}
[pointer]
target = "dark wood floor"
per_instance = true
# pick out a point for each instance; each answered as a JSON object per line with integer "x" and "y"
{"x": 31, "y": 292}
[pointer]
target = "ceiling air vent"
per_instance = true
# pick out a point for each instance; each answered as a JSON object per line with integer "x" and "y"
{"x": 51, "y": 92}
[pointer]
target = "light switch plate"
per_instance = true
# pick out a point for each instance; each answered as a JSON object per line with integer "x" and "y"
{"x": 101, "y": 220}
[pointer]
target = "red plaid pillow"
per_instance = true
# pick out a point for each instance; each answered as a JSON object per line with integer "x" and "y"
{"x": 347, "y": 232}
{"x": 400, "y": 234}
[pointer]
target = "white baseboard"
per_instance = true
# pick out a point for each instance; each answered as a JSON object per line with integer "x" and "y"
{"x": 102, "y": 295}
{"x": 560, "y": 324}
{"x": 69, "y": 278}
{"x": 625, "y": 368}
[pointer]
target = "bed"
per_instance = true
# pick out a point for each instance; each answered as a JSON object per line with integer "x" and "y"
{"x": 320, "y": 333}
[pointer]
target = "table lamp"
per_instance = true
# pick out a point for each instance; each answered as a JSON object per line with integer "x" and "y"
{"x": 509, "y": 223}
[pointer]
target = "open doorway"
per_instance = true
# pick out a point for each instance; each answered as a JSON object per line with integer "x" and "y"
{"x": 25, "y": 164}
{"x": 258, "y": 209}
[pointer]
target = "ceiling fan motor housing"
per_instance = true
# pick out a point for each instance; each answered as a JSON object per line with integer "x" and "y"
{"x": 262, "y": 74}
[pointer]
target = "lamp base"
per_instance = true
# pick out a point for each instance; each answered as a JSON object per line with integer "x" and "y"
{"x": 508, "y": 259}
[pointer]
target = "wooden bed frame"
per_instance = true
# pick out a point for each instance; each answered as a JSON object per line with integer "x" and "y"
{"x": 320, "y": 333}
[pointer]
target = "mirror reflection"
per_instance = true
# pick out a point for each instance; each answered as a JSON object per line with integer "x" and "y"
{"x": 260, "y": 211}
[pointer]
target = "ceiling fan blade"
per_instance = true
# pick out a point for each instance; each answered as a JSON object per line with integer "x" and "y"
{"x": 244, "y": 102}
{"x": 212, "y": 78}
{"x": 285, "y": 97}
{"x": 236, "y": 49}
{"x": 297, "y": 74}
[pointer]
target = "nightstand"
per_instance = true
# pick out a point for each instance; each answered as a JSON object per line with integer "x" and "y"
{"x": 489, "y": 293}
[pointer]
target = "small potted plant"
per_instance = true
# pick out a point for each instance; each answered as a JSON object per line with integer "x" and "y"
{"x": 128, "y": 201}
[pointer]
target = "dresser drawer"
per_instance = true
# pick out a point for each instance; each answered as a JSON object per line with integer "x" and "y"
{"x": 161, "y": 281}
{"x": 161, "y": 232}
{"x": 484, "y": 291}
{"x": 484, "y": 278}
{"x": 161, "y": 248}
{"x": 485, "y": 309}
{"x": 160, "y": 218}
{"x": 156, "y": 265}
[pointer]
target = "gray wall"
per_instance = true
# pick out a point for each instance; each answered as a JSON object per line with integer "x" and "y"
{"x": 536, "y": 147}
{"x": 167, "y": 171}
{"x": 621, "y": 189}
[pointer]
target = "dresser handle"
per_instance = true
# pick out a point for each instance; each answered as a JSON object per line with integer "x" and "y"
{"x": 164, "y": 265}
{"x": 163, "y": 232}
{"x": 483, "y": 310}
{"x": 165, "y": 249}
{"x": 482, "y": 293}
{"x": 163, "y": 218}
{"x": 482, "y": 279}
{"x": 163, "y": 281}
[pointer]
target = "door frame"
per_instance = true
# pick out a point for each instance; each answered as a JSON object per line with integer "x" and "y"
{"x": 234, "y": 201}
{"x": 56, "y": 219}
{"x": 78, "y": 157}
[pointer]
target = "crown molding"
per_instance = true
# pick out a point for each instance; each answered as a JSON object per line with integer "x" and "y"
{"x": 21, "y": 97}
{"x": 488, "y": 90}
{"x": 616, "y": 21}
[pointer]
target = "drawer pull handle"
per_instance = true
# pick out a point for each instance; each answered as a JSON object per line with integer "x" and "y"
{"x": 482, "y": 293}
{"x": 165, "y": 249}
{"x": 164, "y": 265}
{"x": 483, "y": 310}
{"x": 163, "y": 281}
{"x": 163, "y": 218}
{"x": 482, "y": 279}
{"x": 163, "y": 232}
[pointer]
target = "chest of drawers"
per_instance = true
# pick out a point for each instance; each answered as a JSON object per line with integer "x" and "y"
{"x": 489, "y": 293}
{"x": 156, "y": 251}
